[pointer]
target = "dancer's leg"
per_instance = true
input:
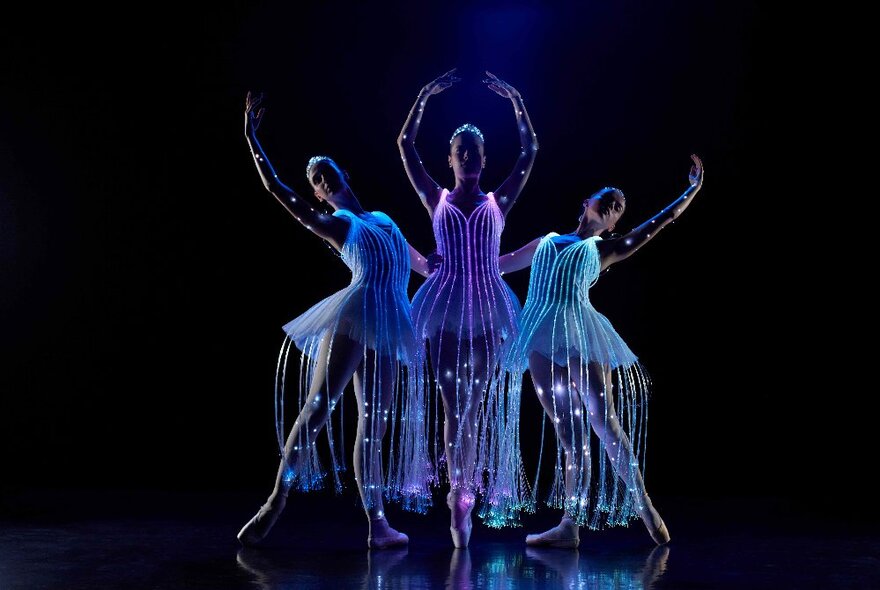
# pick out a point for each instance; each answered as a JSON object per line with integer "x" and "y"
{"x": 597, "y": 390}
{"x": 463, "y": 368}
{"x": 338, "y": 357}
{"x": 374, "y": 384}
{"x": 564, "y": 406}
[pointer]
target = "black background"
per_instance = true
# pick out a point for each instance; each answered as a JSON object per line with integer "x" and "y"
{"x": 146, "y": 273}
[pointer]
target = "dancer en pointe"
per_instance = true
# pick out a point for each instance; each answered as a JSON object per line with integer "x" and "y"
{"x": 584, "y": 374}
{"x": 363, "y": 332}
{"x": 468, "y": 314}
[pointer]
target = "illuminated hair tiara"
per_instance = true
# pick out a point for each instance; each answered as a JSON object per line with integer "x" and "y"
{"x": 608, "y": 189}
{"x": 313, "y": 161}
{"x": 468, "y": 128}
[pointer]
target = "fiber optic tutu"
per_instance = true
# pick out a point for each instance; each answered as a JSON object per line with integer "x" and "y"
{"x": 466, "y": 304}
{"x": 374, "y": 312}
{"x": 585, "y": 376}
{"x": 560, "y": 323}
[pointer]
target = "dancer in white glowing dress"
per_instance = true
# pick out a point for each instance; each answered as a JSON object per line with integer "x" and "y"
{"x": 362, "y": 332}
{"x": 584, "y": 373}
{"x": 468, "y": 314}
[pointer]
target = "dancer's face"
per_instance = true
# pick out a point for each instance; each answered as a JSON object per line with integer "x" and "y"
{"x": 325, "y": 179}
{"x": 466, "y": 156}
{"x": 604, "y": 207}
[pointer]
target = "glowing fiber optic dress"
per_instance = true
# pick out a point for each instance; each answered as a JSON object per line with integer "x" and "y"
{"x": 560, "y": 323}
{"x": 373, "y": 310}
{"x": 466, "y": 304}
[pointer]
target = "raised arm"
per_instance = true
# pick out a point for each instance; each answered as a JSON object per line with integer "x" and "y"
{"x": 426, "y": 187}
{"x": 618, "y": 249}
{"x": 333, "y": 229}
{"x": 518, "y": 259}
{"x": 510, "y": 189}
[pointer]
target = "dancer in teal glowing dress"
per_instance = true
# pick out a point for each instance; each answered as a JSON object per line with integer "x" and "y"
{"x": 584, "y": 373}
{"x": 364, "y": 332}
{"x": 469, "y": 316}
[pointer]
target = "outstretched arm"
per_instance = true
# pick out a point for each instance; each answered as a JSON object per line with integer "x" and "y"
{"x": 333, "y": 229}
{"x": 510, "y": 189}
{"x": 426, "y": 187}
{"x": 618, "y": 249}
{"x": 518, "y": 259}
{"x": 421, "y": 264}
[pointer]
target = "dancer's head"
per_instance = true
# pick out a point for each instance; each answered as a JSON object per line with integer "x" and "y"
{"x": 603, "y": 208}
{"x": 467, "y": 157}
{"x": 326, "y": 177}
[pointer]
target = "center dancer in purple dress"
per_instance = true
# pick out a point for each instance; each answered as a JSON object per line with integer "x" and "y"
{"x": 469, "y": 315}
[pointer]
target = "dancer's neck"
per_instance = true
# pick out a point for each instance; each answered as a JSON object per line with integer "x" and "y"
{"x": 345, "y": 199}
{"x": 467, "y": 188}
{"x": 588, "y": 230}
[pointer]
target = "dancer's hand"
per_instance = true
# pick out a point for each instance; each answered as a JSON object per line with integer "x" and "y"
{"x": 499, "y": 86}
{"x": 434, "y": 261}
{"x": 442, "y": 83}
{"x": 696, "y": 174}
{"x": 253, "y": 113}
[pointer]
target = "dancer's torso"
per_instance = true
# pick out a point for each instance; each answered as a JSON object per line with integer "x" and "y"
{"x": 467, "y": 295}
{"x": 376, "y": 252}
{"x": 469, "y": 242}
{"x": 563, "y": 270}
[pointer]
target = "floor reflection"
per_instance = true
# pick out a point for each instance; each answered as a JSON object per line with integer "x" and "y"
{"x": 186, "y": 542}
{"x": 572, "y": 570}
{"x": 375, "y": 570}
{"x": 487, "y": 567}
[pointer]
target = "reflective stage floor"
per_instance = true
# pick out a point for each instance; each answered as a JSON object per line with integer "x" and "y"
{"x": 157, "y": 540}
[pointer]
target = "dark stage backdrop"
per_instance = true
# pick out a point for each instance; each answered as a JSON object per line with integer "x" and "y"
{"x": 146, "y": 273}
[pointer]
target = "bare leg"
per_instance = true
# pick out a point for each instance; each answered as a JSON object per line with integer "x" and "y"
{"x": 603, "y": 419}
{"x": 462, "y": 371}
{"x": 333, "y": 371}
{"x": 563, "y": 405}
{"x": 374, "y": 383}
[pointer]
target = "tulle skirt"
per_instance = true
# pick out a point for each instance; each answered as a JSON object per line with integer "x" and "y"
{"x": 445, "y": 303}
{"x": 380, "y": 320}
{"x": 563, "y": 332}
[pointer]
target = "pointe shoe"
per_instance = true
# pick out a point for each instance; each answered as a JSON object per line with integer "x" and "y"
{"x": 562, "y": 536}
{"x": 655, "y": 525}
{"x": 460, "y": 505}
{"x": 660, "y": 534}
{"x": 259, "y": 526}
{"x": 461, "y": 536}
{"x": 382, "y": 536}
